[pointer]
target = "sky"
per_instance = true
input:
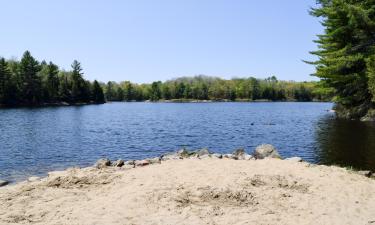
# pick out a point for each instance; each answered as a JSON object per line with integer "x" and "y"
{"x": 147, "y": 40}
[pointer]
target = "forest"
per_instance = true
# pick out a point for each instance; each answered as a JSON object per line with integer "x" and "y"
{"x": 346, "y": 55}
{"x": 30, "y": 83}
{"x": 214, "y": 88}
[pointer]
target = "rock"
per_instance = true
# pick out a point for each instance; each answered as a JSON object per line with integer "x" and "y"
{"x": 248, "y": 157}
{"x": 205, "y": 156}
{"x": 216, "y": 155}
{"x": 294, "y": 159}
{"x": 228, "y": 156}
{"x": 366, "y": 173}
{"x": 142, "y": 162}
{"x": 171, "y": 156}
{"x": 33, "y": 179}
{"x": 129, "y": 163}
{"x": 102, "y": 163}
{"x": 266, "y": 151}
{"x": 154, "y": 160}
{"x": 202, "y": 152}
{"x": 3, "y": 183}
{"x": 240, "y": 154}
{"x": 183, "y": 153}
{"x": 119, "y": 163}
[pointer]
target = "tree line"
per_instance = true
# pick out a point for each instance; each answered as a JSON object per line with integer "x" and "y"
{"x": 30, "y": 83}
{"x": 347, "y": 55}
{"x": 213, "y": 88}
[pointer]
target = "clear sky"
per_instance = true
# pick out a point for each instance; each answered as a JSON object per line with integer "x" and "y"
{"x": 148, "y": 40}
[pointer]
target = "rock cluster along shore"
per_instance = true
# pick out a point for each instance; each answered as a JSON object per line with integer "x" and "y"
{"x": 261, "y": 152}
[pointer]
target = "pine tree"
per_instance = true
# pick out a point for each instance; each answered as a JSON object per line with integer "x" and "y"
{"x": 97, "y": 93}
{"x": 30, "y": 82}
{"x": 344, "y": 51}
{"x": 52, "y": 81}
{"x": 6, "y": 96}
{"x": 77, "y": 82}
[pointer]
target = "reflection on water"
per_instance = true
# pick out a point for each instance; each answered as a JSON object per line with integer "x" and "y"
{"x": 346, "y": 143}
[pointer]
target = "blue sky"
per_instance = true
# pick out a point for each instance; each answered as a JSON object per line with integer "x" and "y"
{"x": 148, "y": 40}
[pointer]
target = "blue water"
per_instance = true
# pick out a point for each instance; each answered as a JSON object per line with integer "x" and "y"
{"x": 34, "y": 141}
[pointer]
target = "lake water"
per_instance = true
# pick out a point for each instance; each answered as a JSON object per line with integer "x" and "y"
{"x": 34, "y": 141}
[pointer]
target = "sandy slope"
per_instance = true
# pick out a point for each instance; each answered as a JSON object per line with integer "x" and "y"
{"x": 194, "y": 191}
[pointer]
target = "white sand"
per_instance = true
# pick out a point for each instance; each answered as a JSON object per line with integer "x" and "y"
{"x": 193, "y": 191}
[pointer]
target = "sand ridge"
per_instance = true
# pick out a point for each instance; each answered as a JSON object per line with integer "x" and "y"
{"x": 194, "y": 191}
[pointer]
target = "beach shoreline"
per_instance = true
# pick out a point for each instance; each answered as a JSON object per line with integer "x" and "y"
{"x": 195, "y": 189}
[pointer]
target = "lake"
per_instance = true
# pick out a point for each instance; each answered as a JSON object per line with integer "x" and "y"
{"x": 34, "y": 141}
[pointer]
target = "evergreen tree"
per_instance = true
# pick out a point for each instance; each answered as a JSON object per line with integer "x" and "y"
{"x": 110, "y": 91}
{"x": 64, "y": 88}
{"x": 344, "y": 52}
{"x": 30, "y": 82}
{"x": 97, "y": 93}
{"x": 52, "y": 82}
{"x": 7, "y": 89}
{"x": 78, "y": 84}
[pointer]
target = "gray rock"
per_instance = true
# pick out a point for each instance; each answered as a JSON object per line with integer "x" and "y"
{"x": 266, "y": 151}
{"x": 294, "y": 159}
{"x": 142, "y": 162}
{"x": 183, "y": 153}
{"x": 102, "y": 163}
{"x": 155, "y": 160}
{"x": 202, "y": 152}
{"x": 248, "y": 157}
{"x": 119, "y": 163}
{"x": 171, "y": 156}
{"x": 240, "y": 154}
{"x": 216, "y": 155}
{"x": 366, "y": 173}
{"x": 33, "y": 179}
{"x": 204, "y": 156}
{"x": 228, "y": 156}
{"x": 3, "y": 183}
{"x": 129, "y": 163}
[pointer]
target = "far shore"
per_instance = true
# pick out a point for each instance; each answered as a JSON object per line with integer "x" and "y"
{"x": 214, "y": 101}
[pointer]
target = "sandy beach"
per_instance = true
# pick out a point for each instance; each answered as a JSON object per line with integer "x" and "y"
{"x": 194, "y": 191}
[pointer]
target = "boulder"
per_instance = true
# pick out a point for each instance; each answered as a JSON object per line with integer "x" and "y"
{"x": 204, "y": 156}
{"x": 266, "y": 151}
{"x": 3, "y": 183}
{"x": 171, "y": 156}
{"x": 294, "y": 159}
{"x": 33, "y": 179}
{"x": 216, "y": 155}
{"x": 183, "y": 153}
{"x": 202, "y": 152}
{"x": 102, "y": 163}
{"x": 142, "y": 162}
{"x": 248, "y": 157}
{"x": 119, "y": 163}
{"x": 129, "y": 163}
{"x": 155, "y": 160}
{"x": 240, "y": 154}
{"x": 228, "y": 156}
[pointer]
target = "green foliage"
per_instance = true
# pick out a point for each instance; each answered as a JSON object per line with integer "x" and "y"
{"x": 28, "y": 82}
{"x": 345, "y": 52}
{"x": 212, "y": 88}
{"x": 97, "y": 93}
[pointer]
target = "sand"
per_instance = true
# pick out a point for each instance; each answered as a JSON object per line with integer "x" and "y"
{"x": 194, "y": 191}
